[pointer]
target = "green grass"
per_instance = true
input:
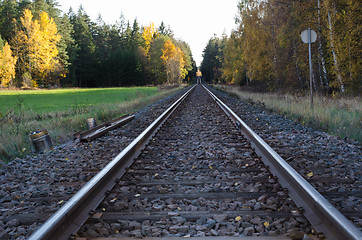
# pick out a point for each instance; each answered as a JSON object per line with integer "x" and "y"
{"x": 341, "y": 117}
{"x": 63, "y": 112}
{"x": 45, "y": 101}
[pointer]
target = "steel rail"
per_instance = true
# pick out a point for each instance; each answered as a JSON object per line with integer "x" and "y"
{"x": 321, "y": 214}
{"x": 102, "y": 129}
{"x": 69, "y": 218}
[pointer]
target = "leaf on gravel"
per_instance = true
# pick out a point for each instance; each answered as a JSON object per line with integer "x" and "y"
{"x": 266, "y": 224}
{"x": 61, "y": 201}
{"x": 238, "y": 218}
{"x": 246, "y": 165}
{"x": 193, "y": 167}
{"x": 187, "y": 236}
{"x": 67, "y": 159}
{"x": 210, "y": 167}
{"x": 178, "y": 208}
{"x": 156, "y": 174}
{"x": 310, "y": 174}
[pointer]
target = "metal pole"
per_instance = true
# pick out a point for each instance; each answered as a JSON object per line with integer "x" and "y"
{"x": 310, "y": 68}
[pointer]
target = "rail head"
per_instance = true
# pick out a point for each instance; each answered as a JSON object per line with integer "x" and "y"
{"x": 322, "y": 215}
{"x": 74, "y": 212}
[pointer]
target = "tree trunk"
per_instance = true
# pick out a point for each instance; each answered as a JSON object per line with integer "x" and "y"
{"x": 322, "y": 63}
{"x": 246, "y": 75}
{"x": 339, "y": 77}
{"x": 296, "y": 66}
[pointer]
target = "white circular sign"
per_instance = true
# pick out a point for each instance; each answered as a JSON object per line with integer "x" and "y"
{"x": 313, "y": 36}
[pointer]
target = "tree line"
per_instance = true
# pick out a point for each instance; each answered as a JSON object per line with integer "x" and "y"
{"x": 40, "y": 46}
{"x": 266, "y": 52}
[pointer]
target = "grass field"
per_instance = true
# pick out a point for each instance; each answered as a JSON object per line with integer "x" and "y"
{"x": 63, "y": 112}
{"x": 46, "y": 101}
{"x": 341, "y": 117}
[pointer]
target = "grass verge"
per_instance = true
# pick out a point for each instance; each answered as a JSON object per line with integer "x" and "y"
{"x": 62, "y": 119}
{"x": 341, "y": 117}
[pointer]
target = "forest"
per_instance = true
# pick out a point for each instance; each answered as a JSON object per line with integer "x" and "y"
{"x": 265, "y": 52}
{"x": 40, "y": 46}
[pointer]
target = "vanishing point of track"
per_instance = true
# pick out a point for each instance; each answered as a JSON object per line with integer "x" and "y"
{"x": 198, "y": 176}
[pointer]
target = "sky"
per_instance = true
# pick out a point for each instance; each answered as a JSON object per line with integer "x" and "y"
{"x": 193, "y": 21}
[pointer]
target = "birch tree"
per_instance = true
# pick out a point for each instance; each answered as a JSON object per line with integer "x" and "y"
{"x": 35, "y": 44}
{"x": 7, "y": 65}
{"x": 175, "y": 61}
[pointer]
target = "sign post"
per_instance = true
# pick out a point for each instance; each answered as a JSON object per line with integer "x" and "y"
{"x": 310, "y": 36}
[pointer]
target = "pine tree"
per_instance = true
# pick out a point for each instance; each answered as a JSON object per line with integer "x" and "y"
{"x": 67, "y": 48}
{"x": 83, "y": 66}
{"x": 7, "y": 14}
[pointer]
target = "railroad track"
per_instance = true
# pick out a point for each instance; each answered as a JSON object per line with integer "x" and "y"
{"x": 198, "y": 176}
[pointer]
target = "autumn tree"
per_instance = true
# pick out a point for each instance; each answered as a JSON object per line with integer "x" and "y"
{"x": 175, "y": 62}
{"x": 341, "y": 26}
{"x": 156, "y": 63}
{"x": 7, "y": 65}
{"x": 234, "y": 67}
{"x": 268, "y": 49}
{"x": 25, "y": 44}
{"x": 190, "y": 64}
{"x": 70, "y": 49}
{"x": 47, "y": 50}
{"x": 148, "y": 34}
{"x": 35, "y": 45}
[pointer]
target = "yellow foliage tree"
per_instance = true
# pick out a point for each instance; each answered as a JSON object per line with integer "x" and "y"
{"x": 148, "y": 34}
{"x": 182, "y": 63}
{"x": 47, "y": 49}
{"x": 35, "y": 45}
{"x": 23, "y": 44}
{"x": 175, "y": 61}
{"x": 257, "y": 46}
{"x": 7, "y": 65}
{"x": 168, "y": 50}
